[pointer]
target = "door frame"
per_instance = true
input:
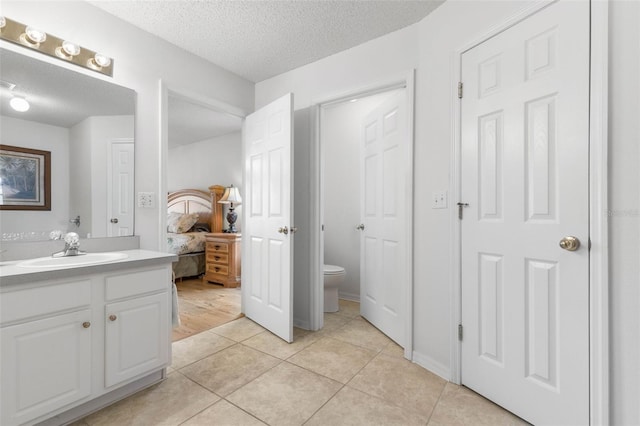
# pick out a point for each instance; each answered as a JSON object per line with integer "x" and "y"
{"x": 404, "y": 80}
{"x": 196, "y": 98}
{"x": 598, "y": 225}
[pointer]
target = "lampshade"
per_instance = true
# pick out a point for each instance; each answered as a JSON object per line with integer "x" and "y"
{"x": 231, "y": 196}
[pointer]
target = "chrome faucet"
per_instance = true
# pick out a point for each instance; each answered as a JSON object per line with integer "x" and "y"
{"x": 71, "y": 246}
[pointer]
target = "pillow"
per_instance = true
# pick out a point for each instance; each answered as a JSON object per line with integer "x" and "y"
{"x": 201, "y": 227}
{"x": 179, "y": 223}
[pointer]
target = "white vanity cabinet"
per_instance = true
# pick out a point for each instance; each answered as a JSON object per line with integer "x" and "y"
{"x": 70, "y": 343}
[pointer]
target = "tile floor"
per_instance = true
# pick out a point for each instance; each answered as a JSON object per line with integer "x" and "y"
{"x": 348, "y": 373}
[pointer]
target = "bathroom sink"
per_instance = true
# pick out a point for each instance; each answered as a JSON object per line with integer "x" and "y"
{"x": 70, "y": 261}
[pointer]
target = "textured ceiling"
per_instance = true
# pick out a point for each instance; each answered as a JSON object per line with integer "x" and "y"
{"x": 260, "y": 39}
{"x": 58, "y": 96}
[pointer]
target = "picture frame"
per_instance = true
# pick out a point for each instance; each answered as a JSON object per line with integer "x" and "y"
{"x": 25, "y": 178}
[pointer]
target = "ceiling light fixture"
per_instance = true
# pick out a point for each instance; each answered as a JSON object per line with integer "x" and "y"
{"x": 19, "y": 104}
{"x": 36, "y": 39}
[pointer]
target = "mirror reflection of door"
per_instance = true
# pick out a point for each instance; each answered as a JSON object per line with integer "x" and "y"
{"x": 120, "y": 193}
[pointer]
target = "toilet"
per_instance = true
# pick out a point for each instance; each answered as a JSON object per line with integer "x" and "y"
{"x": 333, "y": 277}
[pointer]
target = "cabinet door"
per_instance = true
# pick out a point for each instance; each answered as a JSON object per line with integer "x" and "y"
{"x": 137, "y": 337}
{"x": 45, "y": 365}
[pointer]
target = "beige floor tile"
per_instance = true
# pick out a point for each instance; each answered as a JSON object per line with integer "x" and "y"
{"x": 333, "y": 358}
{"x": 168, "y": 403}
{"x": 227, "y": 370}
{"x": 223, "y": 413}
{"x": 401, "y": 382}
{"x": 350, "y": 407}
{"x": 79, "y": 423}
{"x": 461, "y": 406}
{"x": 359, "y": 332}
{"x": 238, "y": 330}
{"x": 393, "y": 349}
{"x": 285, "y": 395}
{"x": 333, "y": 322}
{"x": 196, "y": 347}
{"x": 275, "y": 346}
{"x": 348, "y": 308}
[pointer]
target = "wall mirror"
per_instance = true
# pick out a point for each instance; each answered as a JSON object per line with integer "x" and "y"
{"x": 87, "y": 126}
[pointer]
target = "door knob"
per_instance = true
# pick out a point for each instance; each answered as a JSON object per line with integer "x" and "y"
{"x": 86, "y": 324}
{"x": 570, "y": 243}
{"x": 360, "y": 227}
{"x": 114, "y": 220}
{"x": 112, "y": 317}
{"x": 283, "y": 230}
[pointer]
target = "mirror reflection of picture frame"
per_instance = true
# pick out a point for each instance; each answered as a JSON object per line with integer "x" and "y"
{"x": 25, "y": 178}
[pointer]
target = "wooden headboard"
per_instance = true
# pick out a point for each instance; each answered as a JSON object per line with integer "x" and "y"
{"x": 202, "y": 202}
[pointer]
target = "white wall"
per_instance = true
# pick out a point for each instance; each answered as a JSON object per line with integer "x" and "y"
{"x": 29, "y": 134}
{"x": 90, "y": 151}
{"x": 216, "y": 161}
{"x": 429, "y": 46}
{"x": 141, "y": 61}
{"x": 341, "y": 138}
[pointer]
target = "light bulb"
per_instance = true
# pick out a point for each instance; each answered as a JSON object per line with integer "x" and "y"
{"x": 102, "y": 60}
{"x": 70, "y": 49}
{"x": 35, "y": 35}
{"x": 19, "y": 104}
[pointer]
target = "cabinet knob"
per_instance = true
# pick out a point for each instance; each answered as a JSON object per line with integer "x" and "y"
{"x": 217, "y": 247}
{"x": 112, "y": 317}
{"x": 86, "y": 324}
{"x": 216, "y": 268}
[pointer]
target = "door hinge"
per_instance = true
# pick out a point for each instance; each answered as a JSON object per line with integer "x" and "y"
{"x": 460, "y": 332}
{"x": 460, "y": 89}
{"x": 460, "y": 207}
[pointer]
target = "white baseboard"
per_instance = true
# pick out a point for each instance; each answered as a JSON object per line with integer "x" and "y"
{"x": 305, "y": 325}
{"x": 433, "y": 366}
{"x": 349, "y": 296}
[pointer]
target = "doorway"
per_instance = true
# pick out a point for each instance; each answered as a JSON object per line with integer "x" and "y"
{"x": 202, "y": 147}
{"x": 348, "y": 177}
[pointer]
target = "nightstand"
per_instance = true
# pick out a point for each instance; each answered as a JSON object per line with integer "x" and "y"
{"x": 223, "y": 259}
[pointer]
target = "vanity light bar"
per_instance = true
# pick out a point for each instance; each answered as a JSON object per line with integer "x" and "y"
{"x": 35, "y": 39}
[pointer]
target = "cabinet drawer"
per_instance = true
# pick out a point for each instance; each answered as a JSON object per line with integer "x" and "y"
{"x": 222, "y": 258}
{"x": 217, "y": 247}
{"x": 222, "y": 270}
{"x": 137, "y": 283}
{"x": 22, "y": 304}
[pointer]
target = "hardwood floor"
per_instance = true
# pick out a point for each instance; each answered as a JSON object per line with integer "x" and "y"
{"x": 204, "y": 305}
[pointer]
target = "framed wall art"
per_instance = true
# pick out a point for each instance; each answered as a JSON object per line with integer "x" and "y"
{"x": 25, "y": 178}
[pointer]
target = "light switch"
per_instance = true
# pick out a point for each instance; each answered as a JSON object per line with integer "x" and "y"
{"x": 145, "y": 200}
{"x": 439, "y": 200}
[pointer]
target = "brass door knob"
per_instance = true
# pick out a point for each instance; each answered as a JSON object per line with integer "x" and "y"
{"x": 360, "y": 227}
{"x": 570, "y": 243}
{"x": 86, "y": 324}
{"x": 112, "y": 317}
{"x": 283, "y": 230}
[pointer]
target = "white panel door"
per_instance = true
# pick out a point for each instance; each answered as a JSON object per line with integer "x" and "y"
{"x": 383, "y": 207}
{"x": 267, "y": 259}
{"x": 525, "y": 136}
{"x": 120, "y": 193}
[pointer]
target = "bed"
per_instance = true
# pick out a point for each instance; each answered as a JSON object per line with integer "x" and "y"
{"x": 191, "y": 214}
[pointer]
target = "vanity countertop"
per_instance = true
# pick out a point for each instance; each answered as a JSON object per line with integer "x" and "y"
{"x": 10, "y": 274}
